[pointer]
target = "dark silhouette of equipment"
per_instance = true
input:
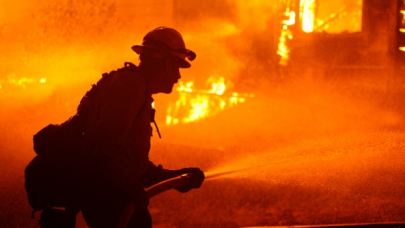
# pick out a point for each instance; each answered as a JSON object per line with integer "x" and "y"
{"x": 152, "y": 191}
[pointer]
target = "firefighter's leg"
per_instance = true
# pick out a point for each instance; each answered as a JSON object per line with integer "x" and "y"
{"x": 141, "y": 219}
{"x": 103, "y": 204}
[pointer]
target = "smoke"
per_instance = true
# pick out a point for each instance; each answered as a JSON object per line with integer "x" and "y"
{"x": 254, "y": 15}
{"x": 214, "y": 58}
{"x": 71, "y": 43}
{"x": 233, "y": 39}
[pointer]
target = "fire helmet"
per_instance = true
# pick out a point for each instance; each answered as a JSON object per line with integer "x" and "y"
{"x": 169, "y": 41}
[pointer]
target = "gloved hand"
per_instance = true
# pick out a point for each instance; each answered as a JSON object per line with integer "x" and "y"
{"x": 193, "y": 181}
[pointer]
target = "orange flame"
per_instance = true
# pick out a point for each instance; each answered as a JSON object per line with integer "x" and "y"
{"x": 283, "y": 50}
{"x": 308, "y": 15}
{"x": 194, "y": 104}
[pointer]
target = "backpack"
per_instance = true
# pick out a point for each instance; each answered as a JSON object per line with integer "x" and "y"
{"x": 51, "y": 177}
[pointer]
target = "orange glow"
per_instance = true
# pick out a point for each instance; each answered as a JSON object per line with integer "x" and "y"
{"x": 194, "y": 105}
{"x": 253, "y": 14}
{"x": 23, "y": 82}
{"x": 335, "y": 17}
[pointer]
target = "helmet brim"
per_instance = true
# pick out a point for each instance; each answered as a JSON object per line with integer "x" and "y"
{"x": 182, "y": 62}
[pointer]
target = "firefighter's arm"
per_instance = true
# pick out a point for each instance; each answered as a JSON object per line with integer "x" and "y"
{"x": 155, "y": 174}
{"x": 152, "y": 175}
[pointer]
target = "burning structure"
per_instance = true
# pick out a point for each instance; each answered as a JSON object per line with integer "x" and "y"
{"x": 358, "y": 42}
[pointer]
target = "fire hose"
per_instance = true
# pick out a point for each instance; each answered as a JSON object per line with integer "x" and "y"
{"x": 162, "y": 187}
{"x": 152, "y": 191}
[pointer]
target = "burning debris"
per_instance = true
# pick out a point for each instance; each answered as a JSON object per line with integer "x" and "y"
{"x": 194, "y": 104}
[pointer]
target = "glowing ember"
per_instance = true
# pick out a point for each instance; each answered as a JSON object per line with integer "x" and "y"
{"x": 194, "y": 105}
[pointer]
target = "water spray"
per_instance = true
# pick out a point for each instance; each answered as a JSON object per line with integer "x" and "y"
{"x": 212, "y": 175}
